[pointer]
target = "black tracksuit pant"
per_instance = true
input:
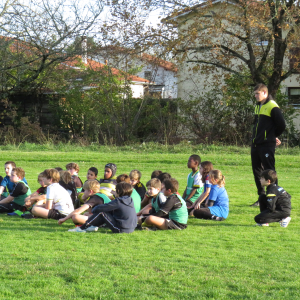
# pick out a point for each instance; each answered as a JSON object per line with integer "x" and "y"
{"x": 263, "y": 158}
{"x": 268, "y": 216}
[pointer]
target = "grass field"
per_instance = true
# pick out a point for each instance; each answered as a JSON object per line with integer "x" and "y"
{"x": 209, "y": 260}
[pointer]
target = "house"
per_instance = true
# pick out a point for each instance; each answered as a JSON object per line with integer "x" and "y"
{"x": 161, "y": 73}
{"x": 195, "y": 75}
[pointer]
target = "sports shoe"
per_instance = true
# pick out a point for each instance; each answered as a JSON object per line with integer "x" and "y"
{"x": 255, "y": 204}
{"x": 215, "y": 218}
{"x": 285, "y": 222}
{"x": 77, "y": 229}
{"x": 92, "y": 229}
{"x": 28, "y": 216}
{"x": 262, "y": 224}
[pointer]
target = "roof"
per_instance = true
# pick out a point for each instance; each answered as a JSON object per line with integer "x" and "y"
{"x": 159, "y": 62}
{"x": 194, "y": 8}
{"x": 94, "y": 65}
{"x": 151, "y": 59}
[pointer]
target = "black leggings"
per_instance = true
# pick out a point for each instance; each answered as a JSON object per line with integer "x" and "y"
{"x": 203, "y": 213}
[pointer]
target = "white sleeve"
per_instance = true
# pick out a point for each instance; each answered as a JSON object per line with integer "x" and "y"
{"x": 50, "y": 193}
{"x": 198, "y": 180}
{"x": 161, "y": 198}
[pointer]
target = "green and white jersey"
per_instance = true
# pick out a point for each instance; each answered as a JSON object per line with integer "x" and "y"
{"x": 194, "y": 181}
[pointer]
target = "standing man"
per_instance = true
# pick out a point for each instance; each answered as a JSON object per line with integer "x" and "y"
{"x": 268, "y": 125}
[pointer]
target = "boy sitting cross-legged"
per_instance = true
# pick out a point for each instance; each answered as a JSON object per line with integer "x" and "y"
{"x": 15, "y": 201}
{"x": 91, "y": 191}
{"x": 157, "y": 200}
{"x": 174, "y": 206}
{"x": 6, "y": 185}
{"x": 275, "y": 206}
{"x": 58, "y": 200}
{"x": 119, "y": 215}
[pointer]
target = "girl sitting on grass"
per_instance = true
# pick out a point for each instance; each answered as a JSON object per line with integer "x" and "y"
{"x": 202, "y": 201}
{"x": 218, "y": 202}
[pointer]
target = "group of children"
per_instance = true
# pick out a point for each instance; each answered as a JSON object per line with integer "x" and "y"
{"x": 123, "y": 204}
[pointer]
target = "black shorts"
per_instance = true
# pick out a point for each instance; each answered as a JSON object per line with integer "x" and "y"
{"x": 175, "y": 225}
{"x": 55, "y": 214}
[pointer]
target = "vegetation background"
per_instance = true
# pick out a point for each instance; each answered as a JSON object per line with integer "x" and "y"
{"x": 233, "y": 259}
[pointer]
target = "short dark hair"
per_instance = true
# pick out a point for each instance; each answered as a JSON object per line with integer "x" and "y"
{"x": 58, "y": 169}
{"x": 269, "y": 175}
{"x": 163, "y": 176}
{"x": 171, "y": 184}
{"x": 156, "y": 173}
{"x": 196, "y": 158}
{"x": 12, "y": 163}
{"x": 123, "y": 177}
{"x": 124, "y": 189}
{"x": 261, "y": 88}
{"x": 94, "y": 170}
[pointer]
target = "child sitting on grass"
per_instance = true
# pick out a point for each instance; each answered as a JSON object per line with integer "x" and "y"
{"x": 108, "y": 183}
{"x": 67, "y": 183}
{"x": 16, "y": 199}
{"x": 194, "y": 186}
{"x": 91, "y": 175}
{"x": 174, "y": 206}
{"x": 58, "y": 201}
{"x": 39, "y": 195}
{"x": 275, "y": 206}
{"x": 7, "y": 185}
{"x": 135, "y": 196}
{"x": 205, "y": 168}
{"x": 119, "y": 215}
{"x": 158, "y": 199}
{"x": 73, "y": 168}
{"x": 218, "y": 202}
{"x": 135, "y": 177}
{"x": 91, "y": 192}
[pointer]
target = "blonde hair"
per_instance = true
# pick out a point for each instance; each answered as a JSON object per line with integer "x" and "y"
{"x": 65, "y": 176}
{"x": 51, "y": 174}
{"x": 155, "y": 183}
{"x": 92, "y": 185}
{"x": 19, "y": 172}
{"x": 135, "y": 174}
{"x": 218, "y": 177}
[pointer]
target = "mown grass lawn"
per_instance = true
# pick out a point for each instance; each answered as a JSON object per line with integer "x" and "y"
{"x": 209, "y": 260}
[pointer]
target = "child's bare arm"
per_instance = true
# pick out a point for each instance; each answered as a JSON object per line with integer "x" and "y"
{"x": 8, "y": 199}
{"x": 145, "y": 201}
{"x": 1, "y": 189}
{"x": 147, "y": 207}
{"x": 78, "y": 211}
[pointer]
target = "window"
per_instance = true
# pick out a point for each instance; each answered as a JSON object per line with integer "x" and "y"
{"x": 294, "y": 96}
{"x": 295, "y": 59}
{"x": 147, "y": 75}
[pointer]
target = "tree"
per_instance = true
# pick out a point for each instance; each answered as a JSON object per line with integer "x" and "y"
{"x": 37, "y": 35}
{"x": 228, "y": 36}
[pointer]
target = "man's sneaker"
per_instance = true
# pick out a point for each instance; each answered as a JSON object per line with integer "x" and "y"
{"x": 255, "y": 204}
{"x": 285, "y": 222}
{"x": 92, "y": 228}
{"x": 262, "y": 224}
{"x": 77, "y": 229}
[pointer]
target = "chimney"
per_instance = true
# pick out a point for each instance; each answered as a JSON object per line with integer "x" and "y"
{"x": 84, "y": 49}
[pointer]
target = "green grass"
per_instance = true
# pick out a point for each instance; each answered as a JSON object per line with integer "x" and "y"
{"x": 209, "y": 260}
